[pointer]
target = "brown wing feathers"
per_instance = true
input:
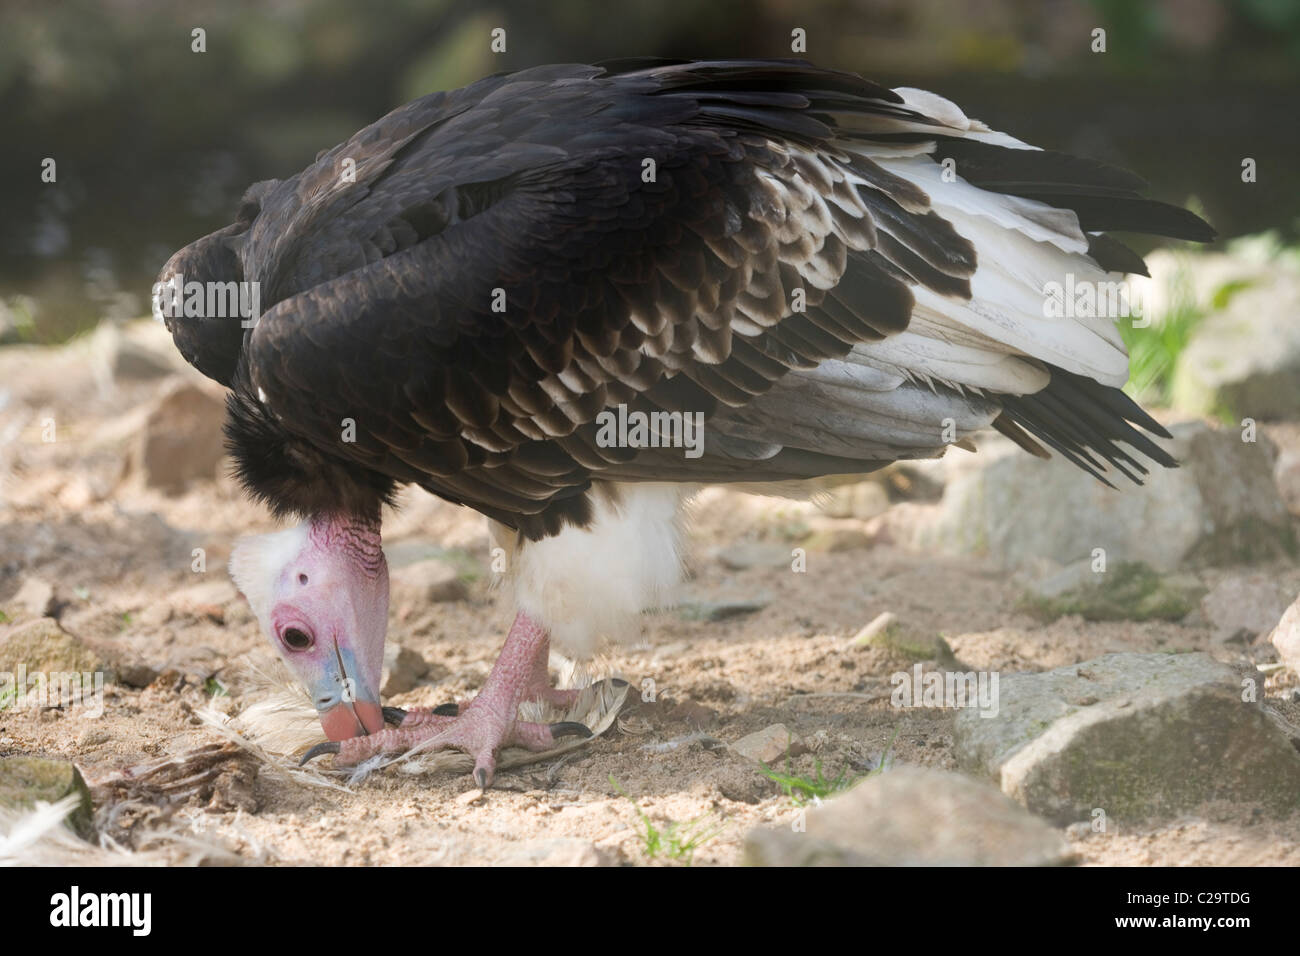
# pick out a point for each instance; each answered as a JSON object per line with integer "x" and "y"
{"x": 504, "y": 269}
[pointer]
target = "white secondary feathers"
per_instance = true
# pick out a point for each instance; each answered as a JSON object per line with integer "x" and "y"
{"x": 1037, "y": 220}
{"x": 990, "y": 341}
{"x": 950, "y": 114}
{"x": 926, "y": 355}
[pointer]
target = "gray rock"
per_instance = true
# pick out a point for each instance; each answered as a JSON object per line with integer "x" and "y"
{"x": 120, "y": 355}
{"x": 767, "y": 745}
{"x": 26, "y": 780}
{"x": 741, "y": 557}
{"x": 1287, "y": 474}
{"x": 35, "y": 597}
{"x": 1220, "y": 506}
{"x": 1062, "y": 580}
{"x": 181, "y": 440}
{"x": 1129, "y": 591}
{"x": 861, "y": 499}
{"x": 721, "y": 610}
{"x": 1245, "y": 360}
{"x": 836, "y": 534}
{"x": 1286, "y": 637}
{"x": 886, "y": 632}
{"x": 1140, "y": 736}
{"x": 912, "y": 816}
{"x": 403, "y": 669}
{"x": 426, "y": 582}
{"x": 1079, "y": 831}
{"x": 136, "y": 674}
{"x": 1253, "y": 603}
{"x": 876, "y": 629}
{"x": 43, "y": 646}
{"x": 216, "y": 591}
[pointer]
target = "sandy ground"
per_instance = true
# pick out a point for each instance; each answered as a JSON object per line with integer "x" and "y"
{"x": 118, "y": 553}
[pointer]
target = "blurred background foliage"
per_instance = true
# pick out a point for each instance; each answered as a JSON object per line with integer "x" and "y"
{"x": 156, "y": 143}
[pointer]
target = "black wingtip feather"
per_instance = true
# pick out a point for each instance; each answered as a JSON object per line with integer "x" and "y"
{"x": 1083, "y": 420}
{"x": 1113, "y": 256}
{"x": 1103, "y": 197}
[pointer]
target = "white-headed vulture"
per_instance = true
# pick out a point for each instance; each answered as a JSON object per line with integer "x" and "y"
{"x": 823, "y": 274}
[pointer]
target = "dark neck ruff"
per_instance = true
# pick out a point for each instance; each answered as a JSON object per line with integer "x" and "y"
{"x": 295, "y": 477}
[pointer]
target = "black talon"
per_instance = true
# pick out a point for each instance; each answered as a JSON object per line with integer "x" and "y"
{"x": 447, "y": 710}
{"x": 480, "y": 777}
{"x": 570, "y": 728}
{"x": 394, "y": 716}
{"x": 332, "y": 747}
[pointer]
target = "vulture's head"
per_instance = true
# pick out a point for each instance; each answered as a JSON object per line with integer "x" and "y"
{"x": 320, "y": 592}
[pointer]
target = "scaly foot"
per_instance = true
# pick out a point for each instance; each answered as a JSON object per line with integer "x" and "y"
{"x": 484, "y": 725}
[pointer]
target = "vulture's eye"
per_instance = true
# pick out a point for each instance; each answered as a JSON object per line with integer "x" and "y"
{"x": 296, "y": 640}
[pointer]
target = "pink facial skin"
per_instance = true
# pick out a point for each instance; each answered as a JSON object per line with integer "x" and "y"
{"x": 329, "y": 619}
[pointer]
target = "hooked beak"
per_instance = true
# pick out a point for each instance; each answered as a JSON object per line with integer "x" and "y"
{"x": 356, "y": 719}
{"x": 346, "y": 705}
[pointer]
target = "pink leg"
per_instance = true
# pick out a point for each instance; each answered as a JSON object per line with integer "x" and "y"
{"x": 536, "y": 686}
{"x": 539, "y": 680}
{"x": 488, "y": 722}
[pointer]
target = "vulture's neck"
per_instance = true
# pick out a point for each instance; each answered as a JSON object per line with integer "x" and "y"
{"x": 356, "y": 536}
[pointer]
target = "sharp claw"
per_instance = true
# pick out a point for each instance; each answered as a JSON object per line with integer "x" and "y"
{"x": 331, "y": 747}
{"x": 447, "y": 710}
{"x": 394, "y": 716}
{"x": 570, "y": 728}
{"x": 481, "y": 777}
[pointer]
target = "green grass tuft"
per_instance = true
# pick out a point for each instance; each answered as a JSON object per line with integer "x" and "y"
{"x": 801, "y": 790}
{"x": 1153, "y": 351}
{"x": 675, "y": 840}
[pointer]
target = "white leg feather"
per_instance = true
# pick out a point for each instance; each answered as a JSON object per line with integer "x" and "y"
{"x": 590, "y": 583}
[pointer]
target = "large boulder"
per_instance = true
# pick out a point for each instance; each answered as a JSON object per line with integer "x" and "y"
{"x": 181, "y": 441}
{"x": 1136, "y": 736}
{"x": 1245, "y": 359}
{"x": 1221, "y": 506}
{"x": 911, "y": 816}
